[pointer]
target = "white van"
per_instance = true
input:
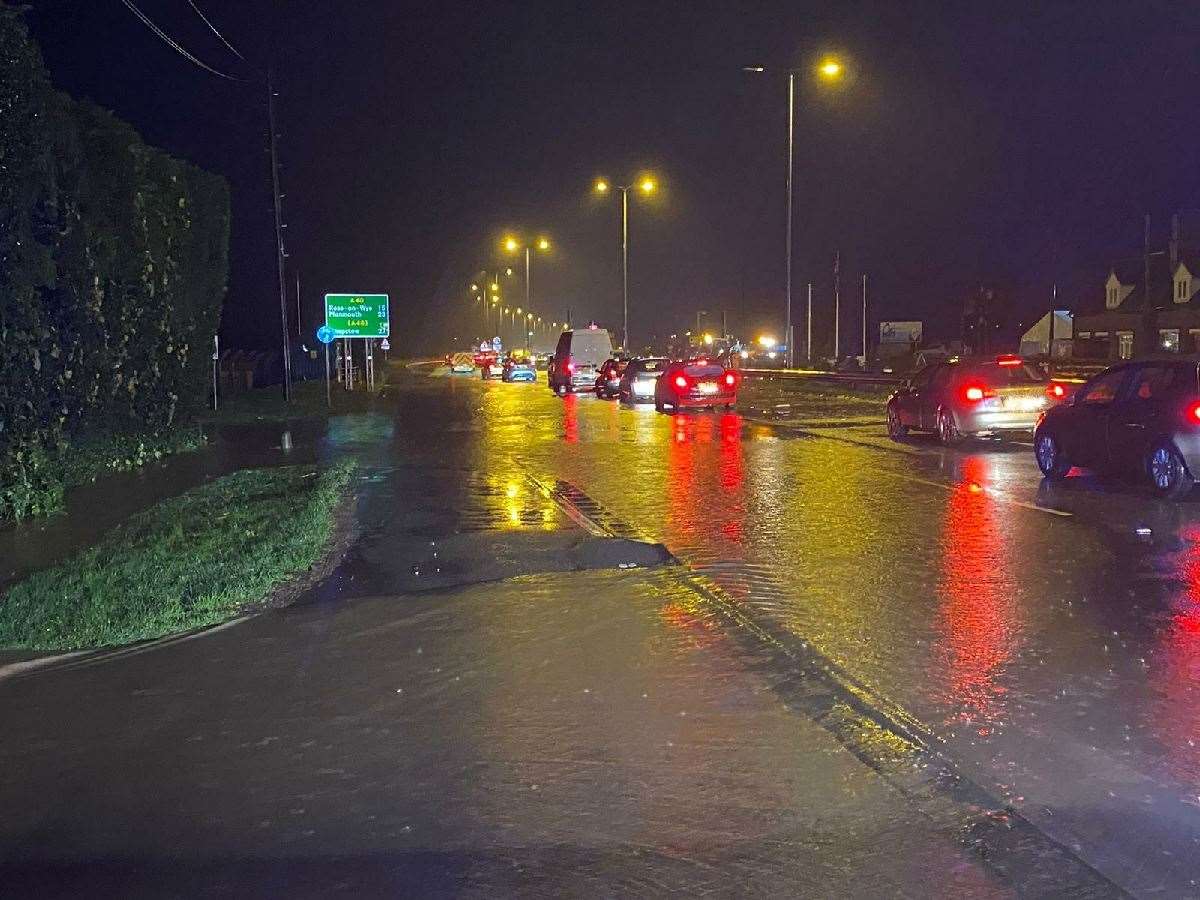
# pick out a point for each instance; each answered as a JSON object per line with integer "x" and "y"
{"x": 577, "y": 359}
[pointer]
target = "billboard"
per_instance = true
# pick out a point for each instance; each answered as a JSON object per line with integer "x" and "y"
{"x": 357, "y": 315}
{"x": 900, "y": 332}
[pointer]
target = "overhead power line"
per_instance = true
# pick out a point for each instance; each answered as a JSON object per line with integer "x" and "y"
{"x": 213, "y": 29}
{"x": 174, "y": 45}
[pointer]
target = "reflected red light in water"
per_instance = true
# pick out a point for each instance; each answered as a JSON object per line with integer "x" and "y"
{"x": 570, "y": 421}
{"x": 700, "y": 632}
{"x": 707, "y": 508}
{"x": 1175, "y": 670}
{"x": 978, "y": 616}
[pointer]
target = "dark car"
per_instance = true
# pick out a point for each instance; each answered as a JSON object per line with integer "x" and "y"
{"x": 639, "y": 378}
{"x": 695, "y": 384}
{"x": 1140, "y": 418}
{"x": 971, "y": 397}
{"x": 608, "y": 381}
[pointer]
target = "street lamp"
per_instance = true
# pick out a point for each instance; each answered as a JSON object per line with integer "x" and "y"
{"x": 647, "y": 186}
{"x": 512, "y": 245}
{"x": 829, "y": 69}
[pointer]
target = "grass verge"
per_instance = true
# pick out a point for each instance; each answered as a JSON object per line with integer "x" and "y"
{"x": 191, "y": 561}
{"x": 308, "y": 402}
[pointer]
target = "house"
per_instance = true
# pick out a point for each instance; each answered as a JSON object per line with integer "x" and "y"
{"x": 1128, "y": 324}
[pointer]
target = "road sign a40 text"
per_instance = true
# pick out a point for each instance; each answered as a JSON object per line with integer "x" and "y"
{"x": 358, "y": 315}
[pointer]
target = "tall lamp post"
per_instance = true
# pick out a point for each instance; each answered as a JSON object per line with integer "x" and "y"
{"x": 512, "y": 245}
{"x": 829, "y": 69}
{"x": 647, "y": 186}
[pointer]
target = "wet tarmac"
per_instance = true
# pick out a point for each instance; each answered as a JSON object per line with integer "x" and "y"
{"x": 1040, "y": 643}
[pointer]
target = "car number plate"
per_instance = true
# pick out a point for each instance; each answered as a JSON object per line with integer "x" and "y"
{"x": 708, "y": 387}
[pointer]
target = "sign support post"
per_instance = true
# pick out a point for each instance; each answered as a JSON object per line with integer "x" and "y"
{"x": 366, "y": 316}
{"x": 325, "y": 336}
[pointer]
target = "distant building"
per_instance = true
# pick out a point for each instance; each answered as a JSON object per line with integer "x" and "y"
{"x": 1126, "y": 324}
{"x": 1036, "y": 341}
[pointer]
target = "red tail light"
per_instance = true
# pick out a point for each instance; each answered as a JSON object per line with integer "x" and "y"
{"x": 1008, "y": 360}
{"x": 1194, "y": 413}
{"x": 681, "y": 383}
{"x": 730, "y": 379}
{"x": 1056, "y": 391}
{"x": 569, "y": 367}
{"x": 974, "y": 393}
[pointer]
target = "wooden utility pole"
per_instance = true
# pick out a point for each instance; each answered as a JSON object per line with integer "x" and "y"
{"x": 279, "y": 251}
{"x": 1149, "y": 341}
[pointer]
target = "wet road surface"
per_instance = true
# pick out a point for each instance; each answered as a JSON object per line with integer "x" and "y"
{"x": 1041, "y": 644}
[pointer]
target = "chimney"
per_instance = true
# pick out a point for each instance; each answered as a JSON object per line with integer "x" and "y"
{"x": 1174, "y": 245}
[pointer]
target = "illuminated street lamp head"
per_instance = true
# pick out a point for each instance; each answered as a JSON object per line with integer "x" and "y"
{"x": 475, "y": 288}
{"x": 708, "y": 339}
{"x": 543, "y": 244}
{"x": 518, "y": 310}
{"x": 528, "y": 315}
{"x": 601, "y": 186}
{"x": 495, "y": 286}
{"x": 511, "y": 244}
{"x": 495, "y": 298}
{"x": 830, "y": 68}
{"x": 647, "y": 185}
{"x": 767, "y": 342}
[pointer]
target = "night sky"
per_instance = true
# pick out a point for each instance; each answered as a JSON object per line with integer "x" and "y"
{"x": 1006, "y": 144}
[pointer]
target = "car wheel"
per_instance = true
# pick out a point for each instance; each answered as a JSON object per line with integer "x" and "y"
{"x": 896, "y": 429}
{"x": 1050, "y": 458}
{"x": 947, "y": 431}
{"x": 1169, "y": 477}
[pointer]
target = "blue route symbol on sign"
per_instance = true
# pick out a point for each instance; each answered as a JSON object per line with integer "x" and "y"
{"x": 496, "y": 345}
{"x": 324, "y": 334}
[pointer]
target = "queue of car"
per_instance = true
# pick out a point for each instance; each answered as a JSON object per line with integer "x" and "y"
{"x": 1138, "y": 419}
{"x": 584, "y": 361}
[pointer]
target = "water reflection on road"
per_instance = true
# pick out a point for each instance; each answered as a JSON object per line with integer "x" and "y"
{"x": 1049, "y": 634}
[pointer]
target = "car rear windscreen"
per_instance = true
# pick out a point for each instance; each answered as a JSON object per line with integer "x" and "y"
{"x": 704, "y": 371}
{"x": 591, "y": 346}
{"x": 650, "y": 365}
{"x": 1006, "y": 376}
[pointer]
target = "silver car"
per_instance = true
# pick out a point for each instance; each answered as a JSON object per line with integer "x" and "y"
{"x": 970, "y": 397}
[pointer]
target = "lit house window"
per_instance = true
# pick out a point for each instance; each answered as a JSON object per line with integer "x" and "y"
{"x": 1183, "y": 289}
{"x": 1124, "y": 344}
{"x": 1168, "y": 339}
{"x": 1111, "y": 300}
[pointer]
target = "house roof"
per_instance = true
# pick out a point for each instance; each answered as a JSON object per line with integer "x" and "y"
{"x": 1162, "y": 283}
{"x": 1191, "y": 262}
{"x": 1129, "y": 271}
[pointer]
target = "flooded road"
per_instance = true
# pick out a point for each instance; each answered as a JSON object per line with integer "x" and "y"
{"x": 1047, "y": 636}
{"x": 1042, "y": 643}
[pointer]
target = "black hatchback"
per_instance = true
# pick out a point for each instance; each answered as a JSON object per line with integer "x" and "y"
{"x": 1139, "y": 418}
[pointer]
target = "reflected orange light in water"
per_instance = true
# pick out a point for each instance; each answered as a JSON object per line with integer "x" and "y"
{"x": 977, "y": 613}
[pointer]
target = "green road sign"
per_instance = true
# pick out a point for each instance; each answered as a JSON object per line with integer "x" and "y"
{"x": 357, "y": 315}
